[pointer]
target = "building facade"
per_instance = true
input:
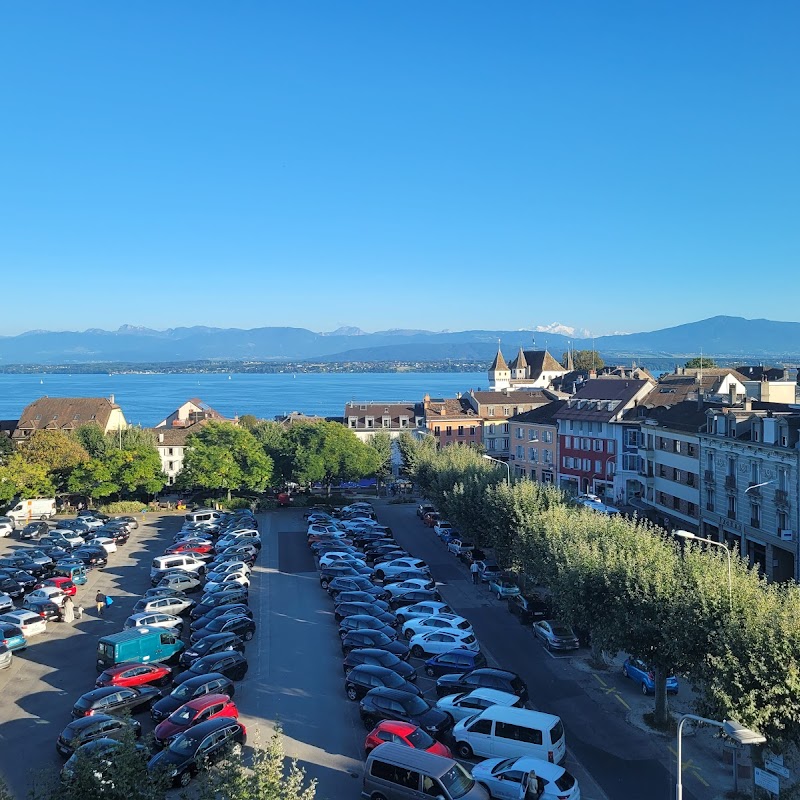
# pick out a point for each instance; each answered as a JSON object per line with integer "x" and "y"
{"x": 530, "y": 369}
{"x": 452, "y": 421}
{"x": 366, "y": 419}
{"x": 534, "y": 442}
{"x": 68, "y": 413}
{"x": 191, "y": 412}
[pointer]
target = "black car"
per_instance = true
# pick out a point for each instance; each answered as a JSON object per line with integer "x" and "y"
{"x": 223, "y": 598}
{"x": 329, "y": 573}
{"x": 195, "y": 686}
{"x": 359, "y": 597}
{"x": 54, "y": 551}
{"x": 115, "y": 700}
{"x": 91, "y": 555}
{"x": 415, "y": 596}
{"x": 77, "y": 525}
{"x": 459, "y": 660}
{"x": 227, "y": 610}
{"x": 23, "y": 578}
{"x": 101, "y": 754}
{"x": 363, "y": 678}
{"x": 240, "y": 624}
{"x": 380, "y": 704}
{"x": 199, "y": 748}
{"x": 46, "y": 609}
{"x": 343, "y": 610}
{"x": 379, "y": 658}
{"x": 17, "y": 561}
{"x": 41, "y": 558}
{"x": 230, "y": 663}
{"x": 376, "y": 639}
{"x": 363, "y": 622}
{"x": 215, "y": 643}
{"x": 119, "y": 533}
{"x": 97, "y": 726}
{"x": 165, "y": 591}
{"x": 129, "y": 520}
{"x": 10, "y": 587}
{"x": 484, "y": 678}
{"x": 529, "y": 608}
{"x": 359, "y": 584}
{"x": 33, "y": 530}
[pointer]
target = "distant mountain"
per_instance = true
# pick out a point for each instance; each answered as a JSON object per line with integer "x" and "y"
{"x": 725, "y": 337}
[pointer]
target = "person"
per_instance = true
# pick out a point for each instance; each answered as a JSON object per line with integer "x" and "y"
{"x": 78, "y": 612}
{"x": 68, "y": 610}
{"x": 473, "y": 568}
{"x": 100, "y": 602}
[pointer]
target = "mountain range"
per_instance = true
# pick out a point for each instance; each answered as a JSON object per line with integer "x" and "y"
{"x": 733, "y": 338}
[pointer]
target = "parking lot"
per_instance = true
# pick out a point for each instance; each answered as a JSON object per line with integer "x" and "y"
{"x": 295, "y": 676}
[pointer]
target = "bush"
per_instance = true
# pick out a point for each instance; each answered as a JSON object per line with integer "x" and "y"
{"x": 123, "y": 507}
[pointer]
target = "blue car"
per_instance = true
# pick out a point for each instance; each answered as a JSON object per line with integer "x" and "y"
{"x": 640, "y": 673}
{"x": 454, "y": 661}
{"x": 12, "y": 637}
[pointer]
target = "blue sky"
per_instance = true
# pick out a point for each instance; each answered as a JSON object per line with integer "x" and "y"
{"x": 615, "y": 166}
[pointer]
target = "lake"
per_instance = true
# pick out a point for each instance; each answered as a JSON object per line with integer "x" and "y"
{"x": 147, "y": 399}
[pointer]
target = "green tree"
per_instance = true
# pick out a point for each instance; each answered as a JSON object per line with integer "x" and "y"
{"x": 58, "y": 453}
{"x": 584, "y": 360}
{"x": 327, "y": 452}
{"x": 19, "y": 478}
{"x": 410, "y": 449}
{"x": 93, "y": 440}
{"x": 703, "y": 362}
{"x": 6, "y": 449}
{"x": 273, "y": 437}
{"x": 248, "y": 421}
{"x": 381, "y": 444}
{"x": 94, "y": 479}
{"x": 223, "y": 456}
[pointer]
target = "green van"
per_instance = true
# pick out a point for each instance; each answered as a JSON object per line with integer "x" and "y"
{"x": 138, "y": 645}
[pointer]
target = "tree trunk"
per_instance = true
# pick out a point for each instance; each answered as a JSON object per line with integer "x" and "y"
{"x": 661, "y": 711}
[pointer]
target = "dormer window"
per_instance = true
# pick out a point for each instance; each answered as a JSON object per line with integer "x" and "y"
{"x": 387, "y": 422}
{"x": 370, "y": 422}
{"x": 352, "y": 421}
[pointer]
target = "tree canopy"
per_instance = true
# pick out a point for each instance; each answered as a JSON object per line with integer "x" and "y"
{"x": 703, "y": 362}
{"x": 583, "y": 360}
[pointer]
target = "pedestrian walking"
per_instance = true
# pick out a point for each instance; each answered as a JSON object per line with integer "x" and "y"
{"x": 68, "y": 610}
{"x": 100, "y": 602}
{"x": 473, "y": 568}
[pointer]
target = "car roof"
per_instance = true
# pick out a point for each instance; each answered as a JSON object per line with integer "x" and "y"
{"x": 411, "y": 758}
{"x": 199, "y": 680}
{"x": 86, "y": 722}
{"x": 198, "y": 703}
{"x": 372, "y": 669}
{"x": 211, "y": 725}
{"x": 120, "y": 668}
{"x": 520, "y": 716}
{"x": 99, "y": 694}
{"x": 496, "y": 696}
{"x": 391, "y": 694}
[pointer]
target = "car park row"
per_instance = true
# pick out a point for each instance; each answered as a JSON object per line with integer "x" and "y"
{"x": 390, "y": 614}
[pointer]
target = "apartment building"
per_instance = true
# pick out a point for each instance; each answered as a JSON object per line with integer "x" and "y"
{"x": 452, "y": 420}
{"x": 365, "y": 419}
{"x": 534, "y": 442}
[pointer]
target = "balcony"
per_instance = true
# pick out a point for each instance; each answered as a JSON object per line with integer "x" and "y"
{"x": 708, "y": 476}
{"x": 782, "y": 497}
{"x": 732, "y": 515}
{"x": 755, "y": 522}
{"x": 730, "y": 481}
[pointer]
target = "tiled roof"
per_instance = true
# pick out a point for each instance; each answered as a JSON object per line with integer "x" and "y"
{"x": 499, "y": 362}
{"x": 519, "y": 362}
{"x": 512, "y": 396}
{"x": 541, "y": 361}
{"x": 450, "y": 408}
{"x": 544, "y": 415}
{"x": 65, "y": 413}
{"x": 601, "y": 399}
{"x": 686, "y": 415}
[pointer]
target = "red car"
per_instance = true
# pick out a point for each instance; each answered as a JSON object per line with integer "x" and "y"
{"x": 190, "y": 547}
{"x": 404, "y": 733}
{"x": 65, "y": 584}
{"x": 200, "y": 709}
{"x": 135, "y": 675}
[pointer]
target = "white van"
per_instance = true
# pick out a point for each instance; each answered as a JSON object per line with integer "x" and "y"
{"x": 187, "y": 563}
{"x": 502, "y": 732}
{"x": 23, "y": 511}
{"x": 203, "y": 515}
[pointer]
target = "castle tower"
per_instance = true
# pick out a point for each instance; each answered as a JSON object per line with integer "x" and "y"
{"x": 499, "y": 373}
{"x": 519, "y": 367}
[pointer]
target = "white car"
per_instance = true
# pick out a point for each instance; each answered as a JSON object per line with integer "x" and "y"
{"x": 341, "y": 558}
{"x": 442, "y": 641}
{"x": 442, "y": 526}
{"x": 153, "y": 620}
{"x": 108, "y": 544}
{"x": 51, "y": 593}
{"x": 501, "y": 778}
{"x": 74, "y": 539}
{"x": 228, "y": 583}
{"x": 6, "y": 603}
{"x": 6, "y": 526}
{"x": 235, "y": 541}
{"x": 229, "y": 566}
{"x": 317, "y": 528}
{"x": 92, "y": 522}
{"x": 165, "y": 605}
{"x": 459, "y": 546}
{"x": 428, "y": 609}
{"x": 389, "y": 568}
{"x": 465, "y": 704}
{"x": 449, "y": 622}
{"x": 412, "y": 584}
{"x": 29, "y": 623}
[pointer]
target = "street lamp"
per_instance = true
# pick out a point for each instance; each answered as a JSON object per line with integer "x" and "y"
{"x": 758, "y": 485}
{"x": 691, "y": 537}
{"x": 730, "y": 728}
{"x": 503, "y": 463}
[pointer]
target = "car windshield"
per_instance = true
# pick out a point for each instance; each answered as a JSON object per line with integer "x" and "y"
{"x": 385, "y": 658}
{"x": 393, "y": 681}
{"x": 183, "y": 716}
{"x": 457, "y": 781}
{"x": 419, "y": 739}
{"x": 557, "y": 732}
{"x": 561, "y": 630}
{"x": 503, "y": 765}
{"x": 415, "y": 705}
{"x": 216, "y": 623}
{"x": 182, "y": 692}
{"x": 565, "y": 782}
{"x": 185, "y": 744}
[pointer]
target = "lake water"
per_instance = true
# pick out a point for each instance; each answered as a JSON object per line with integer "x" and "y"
{"x": 147, "y": 399}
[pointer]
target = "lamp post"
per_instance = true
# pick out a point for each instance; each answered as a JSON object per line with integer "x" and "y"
{"x": 759, "y": 485}
{"x": 503, "y": 463}
{"x": 730, "y": 728}
{"x": 691, "y": 537}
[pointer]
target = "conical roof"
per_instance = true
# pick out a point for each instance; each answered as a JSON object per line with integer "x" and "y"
{"x": 519, "y": 362}
{"x": 499, "y": 362}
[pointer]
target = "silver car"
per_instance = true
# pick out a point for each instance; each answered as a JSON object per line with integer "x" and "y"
{"x": 164, "y": 605}
{"x": 5, "y": 657}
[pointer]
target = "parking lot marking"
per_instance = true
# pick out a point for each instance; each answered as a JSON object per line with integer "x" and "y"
{"x": 599, "y": 679}
{"x": 690, "y": 767}
{"x": 619, "y": 697}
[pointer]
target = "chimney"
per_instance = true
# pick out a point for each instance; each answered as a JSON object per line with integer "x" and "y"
{"x": 592, "y": 373}
{"x": 732, "y": 394}
{"x": 748, "y": 403}
{"x": 111, "y": 399}
{"x": 160, "y": 437}
{"x": 458, "y": 395}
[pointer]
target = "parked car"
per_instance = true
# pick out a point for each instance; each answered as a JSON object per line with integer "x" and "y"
{"x": 379, "y": 658}
{"x": 384, "y": 704}
{"x": 420, "y": 610}
{"x": 395, "y": 590}
{"x": 529, "y": 608}
{"x": 503, "y": 587}
{"x": 91, "y": 556}
{"x": 361, "y": 598}
{"x": 239, "y": 624}
{"x": 441, "y": 641}
{"x": 6, "y": 603}
{"x": 230, "y": 663}
{"x": 199, "y": 748}
{"x": 501, "y": 778}
{"x": 639, "y": 672}
{"x": 180, "y": 582}
{"x": 368, "y": 638}
{"x": 61, "y": 583}
{"x": 115, "y": 700}
{"x": 556, "y": 635}
{"x": 227, "y": 597}
{"x": 51, "y": 593}
{"x": 194, "y": 687}
{"x": 225, "y": 610}
{"x": 89, "y": 729}
{"x": 135, "y": 675}
{"x": 360, "y": 622}
{"x": 404, "y": 733}
{"x": 465, "y": 704}
{"x": 12, "y": 637}
{"x": 153, "y": 620}
{"x": 35, "y": 529}
{"x": 485, "y": 677}
{"x": 28, "y": 622}
{"x": 411, "y": 597}
{"x": 445, "y": 622}
{"x": 45, "y": 609}
{"x": 363, "y": 678}
{"x": 102, "y": 754}
{"x": 192, "y": 713}
{"x": 359, "y": 584}
{"x": 398, "y": 566}
{"x": 342, "y": 610}
{"x": 166, "y": 604}
{"x": 215, "y": 643}
{"x": 487, "y": 569}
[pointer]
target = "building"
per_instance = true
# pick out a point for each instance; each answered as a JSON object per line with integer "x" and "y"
{"x": 530, "y": 369}
{"x": 191, "y": 412}
{"x": 452, "y": 421}
{"x": 171, "y": 446}
{"x": 750, "y": 460}
{"x": 534, "y": 442}
{"x": 365, "y": 419}
{"x": 68, "y": 413}
{"x": 598, "y": 444}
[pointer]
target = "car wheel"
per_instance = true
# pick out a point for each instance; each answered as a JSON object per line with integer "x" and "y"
{"x": 408, "y": 634}
{"x": 369, "y": 723}
{"x": 352, "y": 694}
{"x": 380, "y": 575}
{"x": 377, "y": 796}
{"x": 430, "y": 672}
{"x": 645, "y": 690}
{"x": 401, "y": 620}
{"x": 497, "y": 595}
{"x": 463, "y": 750}
{"x": 185, "y": 778}
{"x": 417, "y": 651}
{"x": 247, "y": 635}
{"x": 625, "y": 670}
{"x": 323, "y": 583}
{"x": 338, "y": 617}
{"x": 547, "y": 644}
{"x": 236, "y": 750}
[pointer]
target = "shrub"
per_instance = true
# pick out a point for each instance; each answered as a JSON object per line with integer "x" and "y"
{"x": 123, "y": 507}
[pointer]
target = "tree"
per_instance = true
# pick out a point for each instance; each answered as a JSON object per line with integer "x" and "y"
{"x": 93, "y": 440}
{"x": 701, "y": 362}
{"x": 584, "y": 360}
{"x": 272, "y": 436}
{"x": 410, "y": 448}
{"x": 248, "y": 421}
{"x": 57, "y": 452}
{"x": 224, "y": 456}
{"x": 6, "y": 449}
{"x": 94, "y": 479}
{"x": 18, "y": 478}
{"x": 327, "y": 453}
{"x": 381, "y": 444}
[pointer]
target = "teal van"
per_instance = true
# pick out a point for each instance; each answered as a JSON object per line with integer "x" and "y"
{"x": 137, "y": 645}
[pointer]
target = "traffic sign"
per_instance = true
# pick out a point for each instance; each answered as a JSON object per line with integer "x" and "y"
{"x": 766, "y": 780}
{"x": 775, "y": 766}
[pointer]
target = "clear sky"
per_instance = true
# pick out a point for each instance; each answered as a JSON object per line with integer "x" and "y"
{"x": 616, "y": 166}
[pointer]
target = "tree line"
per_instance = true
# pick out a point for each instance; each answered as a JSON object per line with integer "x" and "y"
{"x": 636, "y": 589}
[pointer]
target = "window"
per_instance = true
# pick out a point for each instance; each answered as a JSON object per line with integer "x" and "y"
{"x": 436, "y": 430}
{"x": 520, "y": 434}
{"x": 568, "y": 442}
{"x": 731, "y": 506}
{"x": 460, "y": 430}
{"x": 630, "y": 462}
{"x": 170, "y": 465}
{"x": 547, "y": 456}
{"x": 547, "y": 436}
{"x": 506, "y": 428}
{"x": 731, "y": 467}
{"x": 520, "y": 452}
{"x": 449, "y": 430}
{"x": 505, "y": 444}
{"x": 755, "y": 515}
{"x": 598, "y": 467}
{"x": 783, "y": 482}
{"x": 754, "y": 472}
{"x": 491, "y": 427}
{"x": 518, "y": 733}
{"x": 490, "y": 444}
{"x": 386, "y": 421}
{"x": 782, "y": 519}
{"x": 169, "y": 451}
{"x": 631, "y": 438}
{"x": 533, "y": 455}
{"x": 691, "y": 509}
{"x": 472, "y": 430}
{"x": 370, "y": 422}
{"x": 490, "y": 411}
{"x": 533, "y": 435}
{"x": 506, "y": 411}
{"x": 352, "y": 421}
{"x": 481, "y": 726}
{"x": 587, "y": 464}
{"x": 610, "y": 448}
{"x": 598, "y": 445}
{"x": 610, "y": 467}
{"x": 395, "y": 774}
{"x": 571, "y": 425}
